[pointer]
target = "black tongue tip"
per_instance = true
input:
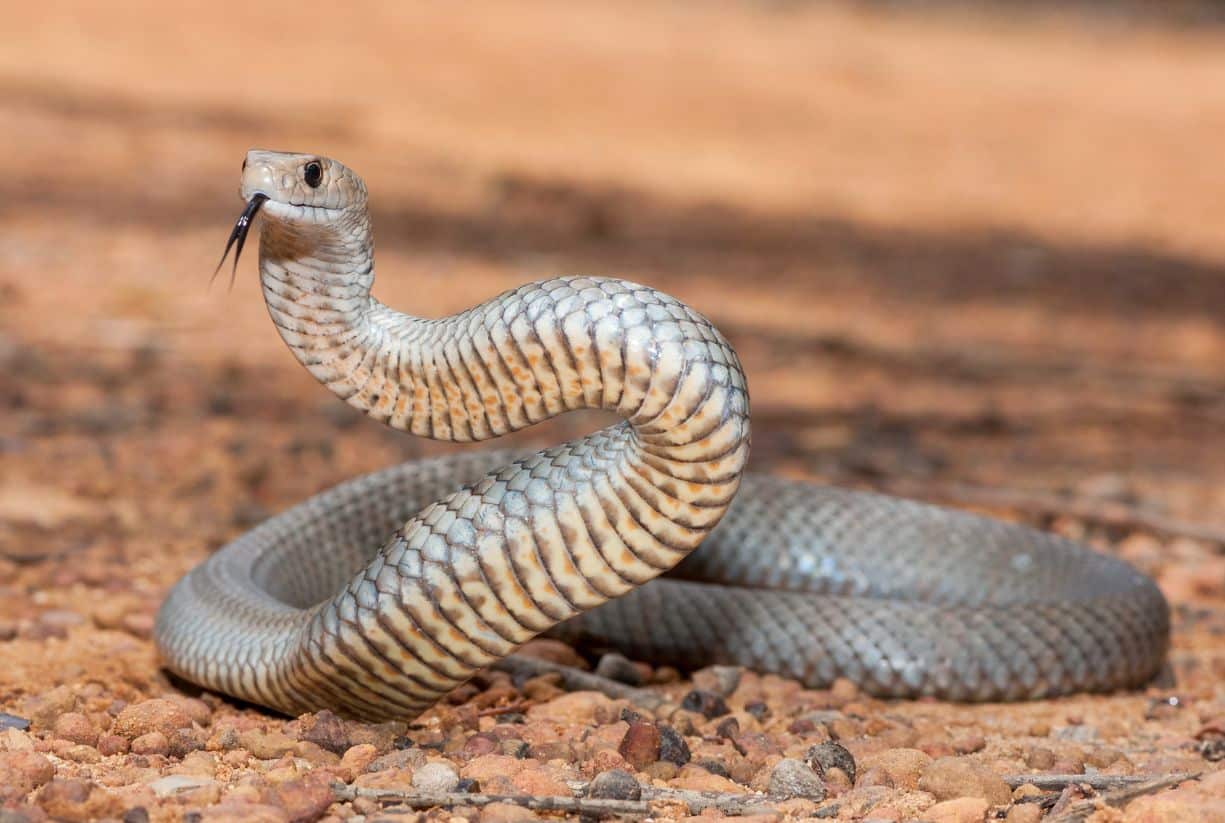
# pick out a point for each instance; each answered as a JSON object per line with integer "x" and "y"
{"x": 238, "y": 235}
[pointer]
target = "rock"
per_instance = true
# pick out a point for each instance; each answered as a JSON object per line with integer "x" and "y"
{"x": 435, "y": 778}
{"x": 904, "y": 766}
{"x": 825, "y": 756}
{"x": 305, "y": 799}
{"x": 950, "y": 777}
{"x": 640, "y": 746}
{"x": 720, "y": 680}
{"x": 479, "y": 744}
{"x": 266, "y": 745}
{"x": 12, "y": 721}
{"x": 238, "y": 811}
{"x": 708, "y": 704}
{"x": 80, "y": 753}
{"x": 21, "y": 772}
{"x": 698, "y": 779}
{"x": 1039, "y": 758}
{"x": 193, "y": 707}
{"x": 588, "y": 708}
{"x": 44, "y": 709}
{"x": 151, "y": 743}
{"x": 960, "y": 810}
{"x": 183, "y": 742}
{"x": 147, "y": 716}
{"x": 842, "y": 691}
{"x": 325, "y": 730}
{"x": 15, "y": 740}
{"x": 358, "y": 758}
{"x": 875, "y": 777}
{"x": 382, "y": 736}
{"x": 793, "y": 778}
{"x": 620, "y": 668}
{"x": 969, "y": 744}
{"x": 506, "y": 813}
{"x": 173, "y": 784}
{"x": 672, "y": 747}
{"x": 112, "y": 744}
{"x": 76, "y": 727}
{"x": 615, "y": 784}
{"x": 1024, "y": 813}
{"x": 77, "y": 800}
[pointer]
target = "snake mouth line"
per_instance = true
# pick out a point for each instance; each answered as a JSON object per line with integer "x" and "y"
{"x": 239, "y": 235}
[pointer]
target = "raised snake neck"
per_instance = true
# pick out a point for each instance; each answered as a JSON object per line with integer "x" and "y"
{"x": 377, "y": 597}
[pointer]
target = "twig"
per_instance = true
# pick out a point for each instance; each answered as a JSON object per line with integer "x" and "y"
{"x": 1104, "y": 512}
{"x": 1077, "y": 812}
{"x": 574, "y": 805}
{"x": 578, "y": 680}
{"x": 1098, "y": 782}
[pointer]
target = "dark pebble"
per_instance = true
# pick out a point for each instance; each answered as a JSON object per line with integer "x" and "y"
{"x": 467, "y": 784}
{"x": 12, "y": 721}
{"x": 328, "y": 732}
{"x": 707, "y": 704}
{"x": 614, "y": 784}
{"x": 517, "y": 718}
{"x": 728, "y": 727}
{"x": 672, "y": 746}
{"x": 136, "y": 814}
{"x": 618, "y": 667}
{"x": 631, "y": 716}
{"x": 758, "y": 709}
{"x": 714, "y": 767}
{"x": 831, "y": 756}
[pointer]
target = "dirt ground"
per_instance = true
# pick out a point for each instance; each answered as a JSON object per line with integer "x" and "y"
{"x": 964, "y": 257}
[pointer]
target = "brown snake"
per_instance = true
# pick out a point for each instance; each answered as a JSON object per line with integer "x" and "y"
{"x": 377, "y": 597}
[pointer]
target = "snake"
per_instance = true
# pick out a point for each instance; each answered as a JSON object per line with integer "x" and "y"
{"x": 376, "y": 598}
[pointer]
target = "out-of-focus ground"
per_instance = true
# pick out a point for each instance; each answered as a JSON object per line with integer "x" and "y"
{"x": 963, "y": 256}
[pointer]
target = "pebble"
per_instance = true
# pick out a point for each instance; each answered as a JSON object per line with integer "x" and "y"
{"x": 506, "y": 813}
{"x": 76, "y": 727}
{"x": 640, "y": 746}
{"x": 620, "y": 668}
{"x": 794, "y": 778}
{"x": 904, "y": 766}
{"x": 147, "y": 716}
{"x": 112, "y": 744}
{"x": 825, "y": 756}
{"x": 614, "y": 784}
{"x": 151, "y": 743}
{"x": 77, "y": 800}
{"x": 305, "y": 799}
{"x": 960, "y": 810}
{"x": 951, "y": 777}
{"x": 1039, "y": 758}
{"x": 325, "y": 730}
{"x": 672, "y": 746}
{"x": 698, "y": 779}
{"x": 173, "y": 784}
{"x": 12, "y": 721}
{"x": 1024, "y": 813}
{"x": 435, "y": 778}
{"x": 21, "y": 772}
{"x": 720, "y": 680}
{"x": 43, "y": 709}
{"x": 265, "y": 745}
{"x": 80, "y": 753}
{"x": 706, "y": 703}
{"x": 590, "y": 708}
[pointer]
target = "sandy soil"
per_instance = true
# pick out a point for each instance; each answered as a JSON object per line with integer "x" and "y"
{"x": 966, "y": 257}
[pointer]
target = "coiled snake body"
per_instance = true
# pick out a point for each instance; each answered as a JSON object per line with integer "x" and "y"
{"x": 379, "y": 596}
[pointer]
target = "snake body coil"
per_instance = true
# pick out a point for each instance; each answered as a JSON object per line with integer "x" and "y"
{"x": 377, "y": 597}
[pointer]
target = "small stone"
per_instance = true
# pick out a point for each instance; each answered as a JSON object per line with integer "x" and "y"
{"x": 305, "y": 799}
{"x": 588, "y": 708}
{"x": 21, "y": 772}
{"x": 728, "y": 727}
{"x": 506, "y": 813}
{"x": 960, "y": 810}
{"x": 825, "y": 756}
{"x": 325, "y": 730}
{"x": 620, "y": 668}
{"x": 843, "y": 691}
{"x": 147, "y": 716}
{"x": 173, "y": 784}
{"x": 151, "y": 743}
{"x": 720, "y": 680}
{"x": 77, "y": 800}
{"x": 45, "y": 708}
{"x": 479, "y": 744}
{"x": 193, "y": 707}
{"x": 641, "y": 743}
{"x": 672, "y": 746}
{"x": 136, "y": 814}
{"x": 875, "y": 777}
{"x": 706, "y": 703}
{"x": 1039, "y": 758}
{"x": 793, "y": 778}
{"x": 435, "y": 778}
{"x": 80, "y": 753}
{"x": 358, "y": 758}
{"x": 1024, "y": 813}
{"x": 904, "y": 766}
{"x": 12, "y": 721}
{"x": 76, "y": 727}
{"x": 757, "y": 709}
{"x": 951, "y": 777}
{"x": 112, "y": 744}
{"x": 553, "y": 651}
{"x": 614, "y": 784}
{"x": 266, "y": 745}
{"x": 185, "y": 741}
{"x": 700, "y": 780}
{"x": 969, "y": 744}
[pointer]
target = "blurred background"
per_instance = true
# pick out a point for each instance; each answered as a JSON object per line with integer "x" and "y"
{"x": 962, "y": 250}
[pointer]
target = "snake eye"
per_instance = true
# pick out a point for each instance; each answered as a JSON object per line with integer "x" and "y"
{"x": 313, "y": 174}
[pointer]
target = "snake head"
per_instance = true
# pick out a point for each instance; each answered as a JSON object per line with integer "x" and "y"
{"x": 298, "y": 189}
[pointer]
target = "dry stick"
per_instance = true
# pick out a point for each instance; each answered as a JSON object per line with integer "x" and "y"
{"x": 1077, "y": 812}
{"x": 1105, "y": 512}
{"x": 1098, "y": 782}
{"x": 578, "y": 680}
